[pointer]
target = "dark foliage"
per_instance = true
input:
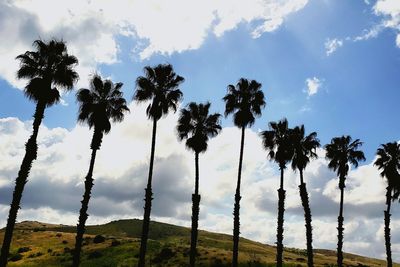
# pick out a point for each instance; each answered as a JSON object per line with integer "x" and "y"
{"x": 99, "y": 239}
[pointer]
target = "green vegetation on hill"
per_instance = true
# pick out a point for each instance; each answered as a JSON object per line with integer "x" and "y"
{"x": 41, "y": 244}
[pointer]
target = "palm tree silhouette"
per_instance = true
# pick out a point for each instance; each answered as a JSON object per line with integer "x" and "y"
{"x": 97, "y": 106}
{"x": 160, "y": 87}
{"x": 389, "y": 162}
{"x": 278, "y": 144}
{"x": 340, "y": 152}
{"x": 245, "y": 101}
{"x": 304, "y": 149}
{"x": 196, "y": 125}
{"x": 47, "y": 68}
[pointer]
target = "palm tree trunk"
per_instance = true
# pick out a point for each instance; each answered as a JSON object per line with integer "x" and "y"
{"x": 281, "y": 210}
{"x": 147, "y": 205}
{"x": 387, "y": 227}
{"x": 20, "y": 181}
{"x": 307, "y": 217}
{"x": 80, "y": 229}
{"x": 340, "y": 225}
{"x": 236, "y": 209}
{"x": 195, "y": 214}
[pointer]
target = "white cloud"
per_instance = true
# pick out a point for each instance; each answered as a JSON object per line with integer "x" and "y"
{"x": 54, "y": 188}
{"x": 390, "y": 11}
{"x": 371, "y": 33}
{"x": 158, "y": 27}
{"x": 332, "y": 44}
{"x": 313, "y": 85}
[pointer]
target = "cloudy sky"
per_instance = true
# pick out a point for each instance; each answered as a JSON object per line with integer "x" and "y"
{"x": 332, "y": 65}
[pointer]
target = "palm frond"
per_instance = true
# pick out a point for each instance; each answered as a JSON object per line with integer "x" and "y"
{"x": 245, "y": 101}
{"x": 196, "y": 125}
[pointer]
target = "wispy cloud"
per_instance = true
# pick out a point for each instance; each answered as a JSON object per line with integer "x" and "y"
{"x": 331, "y": 45}
{"x": 389, "y": 10}
{"x": 370, "y": 33}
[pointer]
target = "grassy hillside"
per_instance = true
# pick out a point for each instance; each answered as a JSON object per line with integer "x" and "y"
{"x": 41, "y": 244}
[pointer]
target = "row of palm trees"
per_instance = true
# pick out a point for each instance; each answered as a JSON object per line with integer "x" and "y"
{"x": 51, "y": 67}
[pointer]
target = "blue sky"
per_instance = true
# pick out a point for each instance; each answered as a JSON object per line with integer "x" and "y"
{"x": 330, "y": 65}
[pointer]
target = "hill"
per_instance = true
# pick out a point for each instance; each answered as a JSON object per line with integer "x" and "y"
{"x": 42, "y": 244}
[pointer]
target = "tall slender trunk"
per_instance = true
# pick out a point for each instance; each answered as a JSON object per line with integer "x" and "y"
{"x": 387, "y": 226}
{"x": 20, "y": 181}
{"x": 340, "y": 224}
{"x": 236, "y": 209}
{"x": 307, "y": 217}
{"x": 148, "y": 199}
{"x": 80, "y": 229}
{"x": 281, "y": 210}
{"x": 195, "y": 214}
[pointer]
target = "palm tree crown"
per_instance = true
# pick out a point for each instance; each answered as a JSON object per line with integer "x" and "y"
{"x": 101, "y": 103}
{"x": 245, "y": 100}
{"x": 340, "y": 152}
{"x": 304, "y": 147}
{"x": 196, "y": 125}
{"x": 160, "y": 86}
{"x": 389, "y": 162}
{"x": 277, "y": 142}
{"x": 49, "y": 66}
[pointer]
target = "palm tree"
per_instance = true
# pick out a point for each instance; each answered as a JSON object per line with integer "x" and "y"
{"x": 48, "y": 68}
{"x": 97, "y": 106}
{"x": 245, "y": 101}
{"x": 277, "y": 142}
{"x": 160, "y": 87}
{"x": 304, "y": 149}
{"x": 389, "y": 162}
{"x": 196, "y": 125}
{"x": 341, "y": 152}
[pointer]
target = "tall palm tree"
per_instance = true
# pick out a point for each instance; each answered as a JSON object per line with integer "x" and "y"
{"x": 196, "y": 125}
{"x": 277, "y": 142}
{"x": 389, "y": 162}
{"x": 304, "y": 149}
{"x": 97, "y": 106}
{"x": 245, "y": 101}
{"x": 160, "y": 87}
{"x": 341, "y": 152}
{"x": 48, "y": 68}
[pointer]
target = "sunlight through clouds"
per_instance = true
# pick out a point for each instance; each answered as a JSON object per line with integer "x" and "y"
{"x": 162, "y": 27}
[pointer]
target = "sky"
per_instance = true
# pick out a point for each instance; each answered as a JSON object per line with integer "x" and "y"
{"x": 332, "y": 65}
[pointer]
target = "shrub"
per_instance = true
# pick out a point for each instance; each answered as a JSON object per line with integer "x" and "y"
{"x": 115, "y": 243}
{"x": 23, "y": 249}
{"x": 164, "y": 255}
{"x": 95, "y": 255}
{"x": 99, "y": 239}
{"x": 16, "y": 257}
